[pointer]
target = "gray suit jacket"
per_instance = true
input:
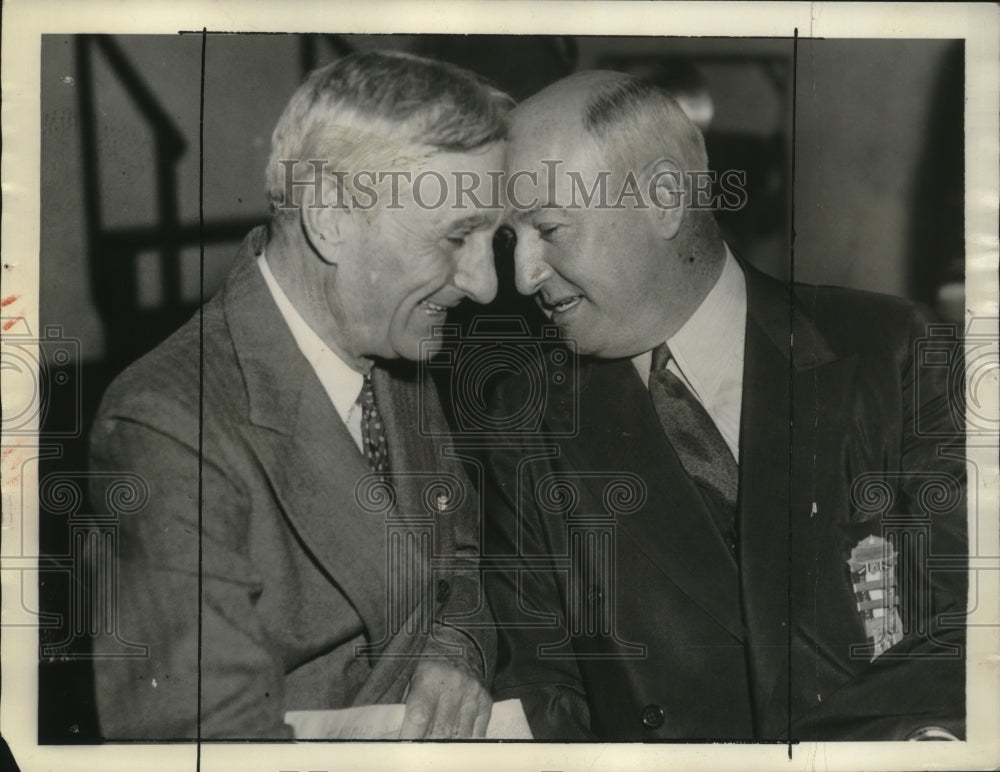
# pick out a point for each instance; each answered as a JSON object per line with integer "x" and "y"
{"x": 266, "y": 573}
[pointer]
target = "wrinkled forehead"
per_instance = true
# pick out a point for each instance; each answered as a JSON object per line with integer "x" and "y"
{"x": 487, "y": 158}
{"x": 454, "y": 184}
{"x": 548, "y": 161}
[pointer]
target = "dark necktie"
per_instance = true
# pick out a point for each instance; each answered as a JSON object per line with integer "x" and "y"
{"x": 372, "y": 429}
{"x": 700, "y": 447}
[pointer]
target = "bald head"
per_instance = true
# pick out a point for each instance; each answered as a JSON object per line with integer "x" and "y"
{"x": 567, "y": 97}
{"x": 631, "y": 122}
{"x": 600, "y": 175}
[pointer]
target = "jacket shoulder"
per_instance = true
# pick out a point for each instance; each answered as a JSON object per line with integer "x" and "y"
{"x": 858, "y": 321}
{"x": 181, "y": 377}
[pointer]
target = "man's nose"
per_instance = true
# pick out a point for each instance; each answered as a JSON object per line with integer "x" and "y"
{"x": 530, "y": 268}
{"x": 475, "y": 273}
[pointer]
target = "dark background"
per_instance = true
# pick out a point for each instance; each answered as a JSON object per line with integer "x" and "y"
{"x": 873, "y": 130}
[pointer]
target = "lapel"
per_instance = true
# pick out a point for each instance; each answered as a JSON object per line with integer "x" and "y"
{"x": 794, "y": 389}
{"x": 304, "y": 448}
{"x": 421, "y": 468}
{"x": 621, "y": 432}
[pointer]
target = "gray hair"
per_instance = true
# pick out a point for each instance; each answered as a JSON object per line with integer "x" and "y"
{"x": 375, "y": 104}
{"x": 631, "y": 117}
{"x": 633, "y": 121}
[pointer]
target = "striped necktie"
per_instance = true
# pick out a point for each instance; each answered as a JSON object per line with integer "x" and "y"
{"x": 697, "y": 441}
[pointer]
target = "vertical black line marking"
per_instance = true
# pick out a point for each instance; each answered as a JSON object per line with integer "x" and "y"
{"x": 201, "y": 363}
{"x": 791, "y": 385}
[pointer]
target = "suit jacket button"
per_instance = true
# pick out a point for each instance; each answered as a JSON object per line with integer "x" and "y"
{"x": 443, "y": 590}
{"x": 652, "y": 716}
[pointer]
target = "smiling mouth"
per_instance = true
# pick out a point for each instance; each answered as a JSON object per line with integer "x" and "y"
{"x": 434, "y": 309}
{"x": 551, "y": 310}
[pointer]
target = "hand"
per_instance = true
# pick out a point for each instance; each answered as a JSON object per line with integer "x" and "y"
{"x": 446, "y": 700}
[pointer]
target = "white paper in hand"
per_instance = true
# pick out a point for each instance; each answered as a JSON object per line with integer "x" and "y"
{"x": 508, "y": 722}
{"x": 383, "y": 722}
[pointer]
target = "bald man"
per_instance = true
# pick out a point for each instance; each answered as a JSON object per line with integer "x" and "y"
{"x": 726, "y": 525}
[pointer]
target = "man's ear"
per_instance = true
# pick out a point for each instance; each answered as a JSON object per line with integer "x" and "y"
{"x": 666, "y": 189}
{"x": 326, "y": 230}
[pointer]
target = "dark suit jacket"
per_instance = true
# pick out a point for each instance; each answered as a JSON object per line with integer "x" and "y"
{"x": 258, "y": 599}
{"x": 621, "y": 613}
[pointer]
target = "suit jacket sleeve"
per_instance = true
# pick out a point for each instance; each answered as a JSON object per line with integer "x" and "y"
{"x": 462, "y": 616}
{"x": 208, "y": 659}
{"x": 465, "y": 618}
{"x": 920, "y": 681}
{"x": 522, "y": 596}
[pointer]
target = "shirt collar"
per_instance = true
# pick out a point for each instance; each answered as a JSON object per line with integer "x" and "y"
{"x": 708, "y": 348}
{"x": 341, "y": 383}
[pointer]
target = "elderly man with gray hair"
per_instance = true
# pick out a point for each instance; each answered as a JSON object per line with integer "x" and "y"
{"x": 303, "y": 547}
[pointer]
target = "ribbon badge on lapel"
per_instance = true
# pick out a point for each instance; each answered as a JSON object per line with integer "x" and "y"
{"x": 873, "y": 574}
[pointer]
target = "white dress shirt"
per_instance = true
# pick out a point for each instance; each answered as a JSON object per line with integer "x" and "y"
{"x": 341, "y": 382}
{"x": 708, "y": 352}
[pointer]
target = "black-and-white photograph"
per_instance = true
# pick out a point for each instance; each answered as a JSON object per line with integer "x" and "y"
{"x": 534, "y": 390}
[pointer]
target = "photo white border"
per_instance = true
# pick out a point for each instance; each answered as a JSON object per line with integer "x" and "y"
{"x": 24, "y": 23}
